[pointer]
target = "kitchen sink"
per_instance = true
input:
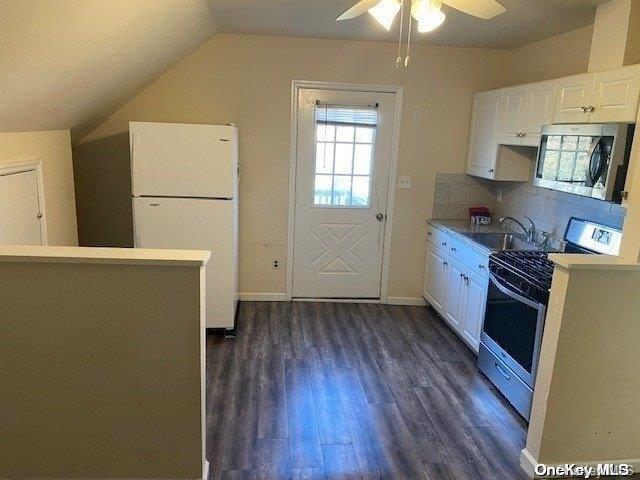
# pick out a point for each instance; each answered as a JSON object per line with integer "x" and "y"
{"x": 501, "y": 241}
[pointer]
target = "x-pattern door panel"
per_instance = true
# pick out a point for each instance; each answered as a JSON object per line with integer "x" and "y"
{"x": 344, "y": 149}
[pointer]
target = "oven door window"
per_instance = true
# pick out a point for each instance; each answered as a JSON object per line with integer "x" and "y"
{"x": 512, "y": 325}
{"x": 574, "y": 159}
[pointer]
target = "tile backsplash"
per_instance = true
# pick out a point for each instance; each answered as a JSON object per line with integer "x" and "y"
{"x": 549, "y": 209}
{"x": 456, "y": 192}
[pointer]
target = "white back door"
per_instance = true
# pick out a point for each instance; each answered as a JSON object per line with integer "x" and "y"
{"x": 343, "y": 156}
{"x": 20, "y": 209}
{"x": 183, "y": 160}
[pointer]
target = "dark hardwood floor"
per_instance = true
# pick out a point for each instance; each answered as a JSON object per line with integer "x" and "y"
{"x": 353, "y": 391}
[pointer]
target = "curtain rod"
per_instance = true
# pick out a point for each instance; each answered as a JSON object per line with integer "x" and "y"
{"x": 372, "y": 105}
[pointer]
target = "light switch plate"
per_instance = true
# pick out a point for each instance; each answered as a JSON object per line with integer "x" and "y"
{"x": 404, "y": 182}
{"x": 499, "y": 196}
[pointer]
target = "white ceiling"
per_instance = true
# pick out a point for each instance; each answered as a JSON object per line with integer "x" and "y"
{"x": 525, "y": 21}
{"x": 67, "y": 64}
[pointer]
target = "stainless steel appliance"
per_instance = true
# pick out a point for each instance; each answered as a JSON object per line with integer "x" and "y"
{"x": 586, "y": 159}
{"x": 517, "y": 300}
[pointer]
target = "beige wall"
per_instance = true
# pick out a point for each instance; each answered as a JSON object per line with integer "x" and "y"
{"x": 102, "y": 373}
{"x": 585, "y": 407}
{"x": 53, "y": 149}
{"x": 246, "y": 80}
{"x": 565, "y": 54}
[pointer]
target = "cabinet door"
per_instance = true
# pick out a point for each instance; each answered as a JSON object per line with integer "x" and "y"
{"x": 512, "y": 115}
{"x": 475, "y": 302}
{"x": 483, "y": 137}
{"x": 455, "y": 299}
{"x": 616, "y": 95}
{"x": 573, "y": 94}
{"x": 540, "y": 103}
{"x": 436, "y": 279}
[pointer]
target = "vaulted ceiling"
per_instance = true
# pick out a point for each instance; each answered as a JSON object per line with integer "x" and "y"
{"x": 525, "y": 21}
{"x": 68, "y": 64}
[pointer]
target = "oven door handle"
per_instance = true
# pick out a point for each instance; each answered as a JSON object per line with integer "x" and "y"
{"x": 514, "y": 295}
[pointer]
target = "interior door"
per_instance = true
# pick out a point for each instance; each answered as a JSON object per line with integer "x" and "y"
{"x": 20, "y": 209}
{"x": 343, "y": 154}
{"x": 573, "y": 94}
{"x": 183, "y": 160}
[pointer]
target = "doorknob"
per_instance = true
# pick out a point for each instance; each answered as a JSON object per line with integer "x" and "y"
{"x": 380, "y": 217}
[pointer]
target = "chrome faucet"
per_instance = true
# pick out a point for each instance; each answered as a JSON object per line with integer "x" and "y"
{"x": 529, "y": 231}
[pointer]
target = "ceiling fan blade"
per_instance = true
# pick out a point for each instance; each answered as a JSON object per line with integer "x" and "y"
{"x": 358, "y": 9}
{"x": 484, "y": 9}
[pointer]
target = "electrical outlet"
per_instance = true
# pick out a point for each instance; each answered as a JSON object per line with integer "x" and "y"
{"x": 404, "y": 182}
{"x": 499, "y": 195}
{"x": 276, "y": 264}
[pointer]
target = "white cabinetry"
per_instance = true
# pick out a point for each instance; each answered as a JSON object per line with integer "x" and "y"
{"x": 540, "y": 103}
{"x": 602, "y": 97}
{"x": 512, "y": 117}
{"x": 483, "y": 140}
{"x": 455, "y": 284}
{"x": 525, "y": 109}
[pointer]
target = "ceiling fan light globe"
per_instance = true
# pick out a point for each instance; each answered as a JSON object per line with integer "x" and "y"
{"x": 385, "y": 12}
{"x": 428, "y": 14}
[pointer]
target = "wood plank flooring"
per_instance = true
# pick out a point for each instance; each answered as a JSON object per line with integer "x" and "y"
{"x": 353, "y": 391}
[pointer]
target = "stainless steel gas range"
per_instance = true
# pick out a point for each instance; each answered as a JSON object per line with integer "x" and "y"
{"x": 517, "y": 300}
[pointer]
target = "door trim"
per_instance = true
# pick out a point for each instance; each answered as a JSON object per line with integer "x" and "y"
{"x": 296, "y": 86}
{"x": 24, "y": 166}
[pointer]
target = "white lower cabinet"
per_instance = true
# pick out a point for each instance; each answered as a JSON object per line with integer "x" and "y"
{"x": 456, "y": 291}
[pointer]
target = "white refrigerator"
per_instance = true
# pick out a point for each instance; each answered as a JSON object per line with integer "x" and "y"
{"x": 185, "y": 196}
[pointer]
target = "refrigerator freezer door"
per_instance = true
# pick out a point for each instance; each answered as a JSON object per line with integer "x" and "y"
{"x": 196, "y": 224}
{"x": 183, "y": 160}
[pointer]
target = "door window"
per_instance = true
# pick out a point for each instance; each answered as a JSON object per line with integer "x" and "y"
{"x": 345, "y": 144}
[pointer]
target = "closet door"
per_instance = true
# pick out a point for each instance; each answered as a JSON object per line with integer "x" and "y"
{"x": 20, "y": 209}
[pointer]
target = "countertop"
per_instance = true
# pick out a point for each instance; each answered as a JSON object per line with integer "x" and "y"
{"x": 460, "y": 227}
{"x": 114, "y": 256}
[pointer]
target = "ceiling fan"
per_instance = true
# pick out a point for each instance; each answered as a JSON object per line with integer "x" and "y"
{"x": 427, "y": 13}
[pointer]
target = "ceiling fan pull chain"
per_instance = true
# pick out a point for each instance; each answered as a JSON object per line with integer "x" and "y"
{"x": 399, "y": 58}
{"x": 407, "y": 59}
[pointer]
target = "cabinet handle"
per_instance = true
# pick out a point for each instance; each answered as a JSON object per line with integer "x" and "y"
{"x": 444, "y": 244}
{"x": 429, "y": 233}
{"x": 523, "y": 134}
{"x": 444, "y": 264}
{"x": 453, "y": 249}
{"x": 592, "y": 109}
{"x": 584, "y": 109}
{"x": 481, "y": 267}
{"x": 502, "y": 371}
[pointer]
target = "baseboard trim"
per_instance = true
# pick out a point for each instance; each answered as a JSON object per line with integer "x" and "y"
{"x": 418, "y": 302}
{"x": 528, "y": 464}
{"x": 282, "y": 297}
{"x": 262, "y": 297}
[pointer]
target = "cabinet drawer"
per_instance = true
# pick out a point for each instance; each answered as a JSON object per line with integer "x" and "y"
{"x": 438, "y": 238}
{"x": 477, "y": 262}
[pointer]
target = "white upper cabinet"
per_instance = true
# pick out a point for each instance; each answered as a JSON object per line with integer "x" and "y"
{"x": 574, "y": 96}
{"x": 604, "y": 97}
{"x": 512, "y": 117}
{"x": 541, "y": 100}
{"x": 483, "y": 138}
{"x": 525, "y": 109}
{"x": 616, "y": 95}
